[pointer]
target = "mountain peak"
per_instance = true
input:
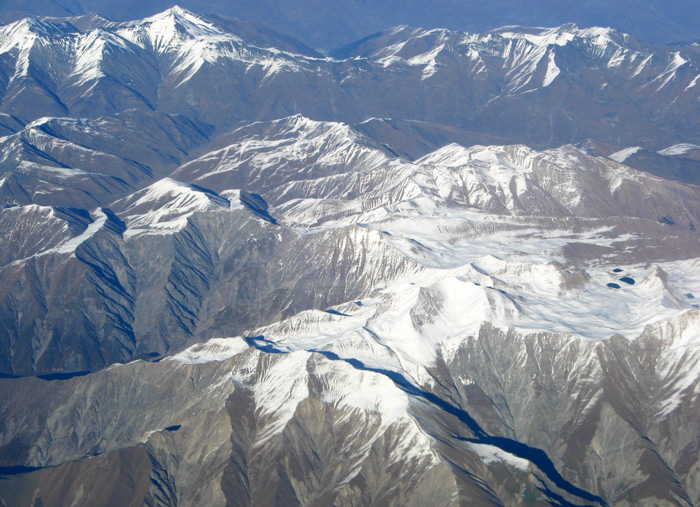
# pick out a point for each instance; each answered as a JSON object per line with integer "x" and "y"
{"x": 182, "y": 17}
{"x": 176, "y": 10}
{"x": 170, "y": 26}
{"x": 34, "y": 24}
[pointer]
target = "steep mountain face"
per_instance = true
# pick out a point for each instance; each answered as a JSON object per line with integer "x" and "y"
{"x": 431, "y": 268}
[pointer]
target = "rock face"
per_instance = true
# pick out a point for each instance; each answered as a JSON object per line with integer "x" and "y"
{"x": 206, "y": 300}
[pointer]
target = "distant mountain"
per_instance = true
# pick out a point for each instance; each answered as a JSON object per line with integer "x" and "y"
{"x": 541, "y": 87}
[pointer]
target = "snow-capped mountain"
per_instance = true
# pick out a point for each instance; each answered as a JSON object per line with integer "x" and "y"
{"x": 432, "y": 267}
{"x": 565, "y": 84}
{"x": 53, "y": 68}
{"x": 295, "y": 148}
{"x": 592, "y": 68}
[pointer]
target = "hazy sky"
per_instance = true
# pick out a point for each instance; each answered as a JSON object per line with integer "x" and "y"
{"x": 331, "y": 24}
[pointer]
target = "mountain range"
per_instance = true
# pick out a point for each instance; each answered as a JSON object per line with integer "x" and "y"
{"x": 543, "y": 87}
{"x": 428, "y": 267}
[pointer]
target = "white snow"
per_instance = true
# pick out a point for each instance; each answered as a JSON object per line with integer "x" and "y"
{"x": 693, "y": 83}
{"x": 466, "y": 250}
{"x": 296, "y": 148}
{"x": 669, "y": 74}
{"x": 285, "y": 384}
{"x": 169, "y": 28}
{"x": 623, "y": 155}
{"x": 462, "y": 284}
{"x": 678, "y": 368}
{"x": 491, "y": 454}
{"x": 191, "y": 42}
{"x": 642, "y": 65}
{"x": 473, "y": 235}
{"x": 166, "y": 205}
{"x": 73, "y": 243}
{"x": 38, "y": 122}
{"x": 552, "y": 70}
{"x": 358, "y": 390}
{"x": 90, "y": 49}
{"x": 67, "y": 246}
{"x": 215, "y": 349}
{"x": 679, "y": 149}
{"x": 559, "y": 36}
{"x": 279, "y": 392}
{"x": 428, "y": 60}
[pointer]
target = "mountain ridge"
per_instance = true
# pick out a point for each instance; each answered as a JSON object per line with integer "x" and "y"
{"x": 607, "y": 79}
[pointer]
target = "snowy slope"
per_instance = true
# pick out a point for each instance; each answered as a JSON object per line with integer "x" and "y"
{"x": 166, "y": 205}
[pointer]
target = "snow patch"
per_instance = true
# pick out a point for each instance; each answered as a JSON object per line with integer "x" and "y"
{"x": 70, "y": 245}
{"x": 622, "y": 155}
{"x": 166, "y": 205}
{"x": 215, "y": 349}
{"x": 679, "y": 149}
{"x": 491, "y": 454}
{"x": 552, "y": 70}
